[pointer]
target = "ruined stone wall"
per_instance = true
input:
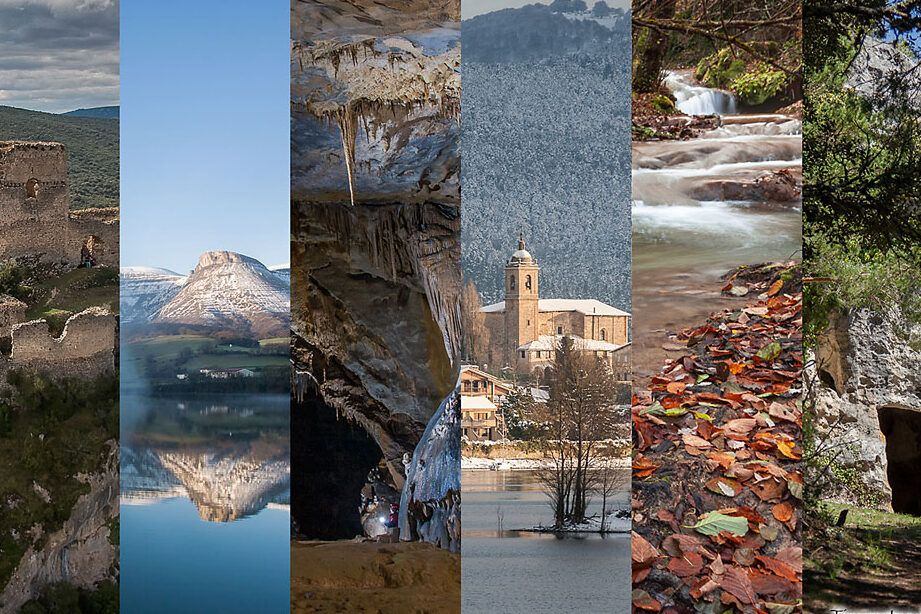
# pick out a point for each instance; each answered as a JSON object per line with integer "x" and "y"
{"x": 36, "y": 223}
{"x": 102, "y": 225}
{"x": 86, "y": 348}
{"x": 12, "y": 311}
{"x": 864, "y": 364}
{"x": 34, "y": 201}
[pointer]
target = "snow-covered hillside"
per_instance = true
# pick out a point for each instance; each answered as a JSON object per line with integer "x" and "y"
{"x": 145, "y": 290}
{"x": 226, "y": 290}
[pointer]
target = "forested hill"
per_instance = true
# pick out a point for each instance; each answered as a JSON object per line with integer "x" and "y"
{"x": 546, "y": 150}
{"x": 537, "y": 32}
{"x": 92, "y": 150}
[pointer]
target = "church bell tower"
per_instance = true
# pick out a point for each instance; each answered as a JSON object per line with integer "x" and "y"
{"x": 521, "y": 301}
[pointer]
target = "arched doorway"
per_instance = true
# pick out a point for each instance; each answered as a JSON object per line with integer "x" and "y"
{"x": 92, "y": 251}
{"x": 32, "y": 186}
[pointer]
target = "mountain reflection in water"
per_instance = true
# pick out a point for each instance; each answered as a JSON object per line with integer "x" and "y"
{"x": 229, "y": 458}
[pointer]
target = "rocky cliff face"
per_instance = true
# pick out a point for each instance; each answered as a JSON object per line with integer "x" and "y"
{"x": 867, "y": 391}
{"x": 81, "y": 553}
{"x": 375, "y": 297}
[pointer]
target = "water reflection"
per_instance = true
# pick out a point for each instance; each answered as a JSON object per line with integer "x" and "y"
{"x": 230, "y": 459}
{"x": 205, "y": 490}
{"x": 531, "y": 572}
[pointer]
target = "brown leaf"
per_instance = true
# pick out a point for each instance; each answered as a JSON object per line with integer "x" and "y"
{"x": 642, "y": 552}
{"x": 688, "y": 565}
{"x": 643, "y": 601}
{"x": 778, "y": 567}
{"x": 769, "y": 490}
{"x": 695, "y": 441}
{"x": 676, "y": 387}
{"x": 792, "y": 556}
{"x": 783, "y": 512}
{"x": 679, "y": 544}
{"x": 725, "y": 486}
{"x": 781, "y": 412}
{"x": 736, "y": 583}
{"x": 741, "y": 426}
{"x": 775, "y": 287}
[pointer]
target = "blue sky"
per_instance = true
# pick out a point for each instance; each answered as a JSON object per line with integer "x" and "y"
{"x": 204, "y": 131}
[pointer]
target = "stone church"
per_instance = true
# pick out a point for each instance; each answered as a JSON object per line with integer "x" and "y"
{"x": 525, "y": 330}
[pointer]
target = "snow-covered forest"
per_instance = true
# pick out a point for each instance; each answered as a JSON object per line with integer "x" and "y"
{"x": 545, "y": 150}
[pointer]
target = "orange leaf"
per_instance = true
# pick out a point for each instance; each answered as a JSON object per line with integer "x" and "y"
{"x": 775, "y": 287}
{"x": 783, "y": 512}
{"x": 676, "y": 387}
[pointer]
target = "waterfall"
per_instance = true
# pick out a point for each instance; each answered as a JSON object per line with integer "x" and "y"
{"x": 697, "y": 100}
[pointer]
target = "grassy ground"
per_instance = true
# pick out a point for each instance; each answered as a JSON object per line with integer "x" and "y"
{"x": 59, "y": 298}
{"x": 874, "y": 561}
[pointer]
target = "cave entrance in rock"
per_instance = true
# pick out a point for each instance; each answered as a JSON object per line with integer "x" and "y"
{"x": 329, "y": 471}
{"x": 902, "y": 428}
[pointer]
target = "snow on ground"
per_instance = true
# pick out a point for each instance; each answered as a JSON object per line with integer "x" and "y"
{"x": 522, "y": 464}
{"x": 618, "y": 521}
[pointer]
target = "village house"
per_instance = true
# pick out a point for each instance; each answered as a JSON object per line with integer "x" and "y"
{"x": 482, "y": 396}
{"x": 525, "y": 330}
{"x": 214, "y": 373}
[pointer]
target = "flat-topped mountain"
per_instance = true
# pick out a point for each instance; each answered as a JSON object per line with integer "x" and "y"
{"x": 226, "y": 290}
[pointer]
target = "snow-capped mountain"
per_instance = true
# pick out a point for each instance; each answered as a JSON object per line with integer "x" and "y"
{"x": 145, "y": 290}
{"x": 226, "y": 290}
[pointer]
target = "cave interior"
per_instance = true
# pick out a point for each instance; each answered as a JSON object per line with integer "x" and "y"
{"x": 330, "y": 466}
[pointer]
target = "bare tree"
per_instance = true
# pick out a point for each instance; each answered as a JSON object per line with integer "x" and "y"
{"x": 474, "y": 336}
{"x": 581, "y": 413}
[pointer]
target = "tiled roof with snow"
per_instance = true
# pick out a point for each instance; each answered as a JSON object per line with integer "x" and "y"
{"x": 550, "y": 342}
{"x": 587, "y": 306}
{"x": 479, "y": 402}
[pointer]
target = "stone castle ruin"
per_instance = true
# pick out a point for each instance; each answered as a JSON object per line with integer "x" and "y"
{"x": 38, "y": 229}
{"x": 36, "y": 224}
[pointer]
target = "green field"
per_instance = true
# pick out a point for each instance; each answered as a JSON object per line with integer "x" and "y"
{"x": 59, "y": 298}
{"x": 92, "y": 150}
{"x": 167, "y": 355}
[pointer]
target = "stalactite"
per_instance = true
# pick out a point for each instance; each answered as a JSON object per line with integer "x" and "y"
{"x": 348, "y": 131}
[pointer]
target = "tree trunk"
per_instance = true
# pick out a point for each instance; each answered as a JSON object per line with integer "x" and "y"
{"x": 651, "y": 46}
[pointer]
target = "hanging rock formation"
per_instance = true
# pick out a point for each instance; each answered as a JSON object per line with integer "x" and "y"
{"x": 376, "y": 222}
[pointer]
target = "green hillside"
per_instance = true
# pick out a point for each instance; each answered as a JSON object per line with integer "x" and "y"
{"x": 92, "y": 150}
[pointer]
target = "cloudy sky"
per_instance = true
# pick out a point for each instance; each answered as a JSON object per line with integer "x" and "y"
{"x": 58, "y": 55}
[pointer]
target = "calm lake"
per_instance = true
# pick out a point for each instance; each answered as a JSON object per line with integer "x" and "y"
{"x": 509, "y": 571}
{"x": 205, "y": 490}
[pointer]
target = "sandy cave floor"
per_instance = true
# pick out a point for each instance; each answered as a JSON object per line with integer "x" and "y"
{"x": 380, "y": 578}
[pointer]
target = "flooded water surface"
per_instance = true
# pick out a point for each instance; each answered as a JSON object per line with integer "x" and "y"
{"x": 530, "y": 572}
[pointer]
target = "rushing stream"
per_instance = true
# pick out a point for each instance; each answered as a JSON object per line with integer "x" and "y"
{"x": 699, "y": 210}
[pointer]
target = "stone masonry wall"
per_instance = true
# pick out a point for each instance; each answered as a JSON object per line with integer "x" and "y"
{"x": 86, "y": 348}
